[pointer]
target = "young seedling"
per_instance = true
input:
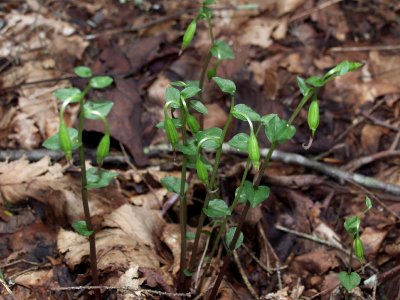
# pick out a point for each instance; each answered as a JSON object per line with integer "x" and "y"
{"x": 70, "y": 139}
{"x": 350, "y": 279}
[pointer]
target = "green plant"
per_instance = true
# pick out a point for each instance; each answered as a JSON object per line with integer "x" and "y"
{"x": 70, "y": 139}
{"x": 350, "y": 279}
{"x": 192, "y": 142}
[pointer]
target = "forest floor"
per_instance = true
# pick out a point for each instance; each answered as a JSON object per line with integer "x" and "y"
{"x": 295, "y": 243}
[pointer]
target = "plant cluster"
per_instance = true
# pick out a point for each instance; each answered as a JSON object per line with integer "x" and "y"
{"x": 185, "y": 134}
{"x": 350, "y": 279}
{"x": 70, "y": 139}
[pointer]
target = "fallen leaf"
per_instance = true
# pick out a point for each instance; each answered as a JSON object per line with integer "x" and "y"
{"x": 372, "y": 240}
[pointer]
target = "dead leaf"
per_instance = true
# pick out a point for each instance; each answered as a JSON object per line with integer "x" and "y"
{"x": 258, "y": 32}
{"x": 316, "y": 262}
{"x": 372, "y": 240}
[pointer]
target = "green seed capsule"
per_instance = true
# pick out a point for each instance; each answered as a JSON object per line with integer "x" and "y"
{"x": 172, "y": 133}
{"x": 65, "y": 140}
{"x": 193, "y": 125}
{"x": 189, "y": 34}
{"x": 103, "y": 149}
{"x": 201, "y": 171}
{"x": 254, "y": 151}
{"x": 359, "y": 249}
{"x": 313, "y": 116}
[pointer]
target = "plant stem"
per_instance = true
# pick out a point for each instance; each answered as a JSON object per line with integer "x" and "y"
{"x": 351, "y": 257}
{"x": 211, "y": 189}
{"x": 256, "y": 183}
{"x": 85, "y": 200}
{"x": 223, "y": 226}
{"x": 205, "y": 67}
{"x": 182, "y": 205}
{"x": 303, "y": 102}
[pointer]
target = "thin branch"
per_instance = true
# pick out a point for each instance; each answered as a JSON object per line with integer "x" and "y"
{"x": 125, "y": 289}
{"x": 244, "y": 276}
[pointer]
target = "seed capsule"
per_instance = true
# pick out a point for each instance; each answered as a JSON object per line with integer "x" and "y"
{"x": 189, "y": 34}
{"x": 201, "y": 171}
{"x": 254, "y": 151}
{"x": 65, "y": 140}
{"x": 103, "y": 149}
{"x": 313, "y": 116}
{"x": 193, "y": 125}
{"x": 359, "y": 249}
{"x": 172, "y": 133}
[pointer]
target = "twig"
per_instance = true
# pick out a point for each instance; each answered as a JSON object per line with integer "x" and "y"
{"x": 126, "y": 289}
{"x": 379, "y": 122}
{"x": 359, "y": 162}
{"x": 6, "y": 287}
{"x": 314, "y": 9}
{"x": 278, "y": 275}
{"x": 364, "y": 48}
{"x": 244, "y": 276}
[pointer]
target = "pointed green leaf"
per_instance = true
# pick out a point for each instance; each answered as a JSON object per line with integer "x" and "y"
{"x": 217, "y": 208}
{"x": 226, "y": 85}
{"x": 352, "y": 224}
{"x": 83, "y": 72}
{"x": 214, "y": 132}
{"x": 302, "y": 85}
{"x": 342, "y": 68}
{"x": 103, "y": 107}
{"x": 189, "y": 149}
{"x": 221, "y": 50}
{"x": 177, "y": 123}
{"x": 173, "y": 184}
{"x": 368, "y": 203}
{"x": 101, "y": 82}
{"x": 316, "y": 81}
{"x": 178, "y": 83}
{"x": 242, "y": 196}
{"x": 190, "y": 92}
{"x": 73, "y": 95}
{"x": 81, "y": 228}
{"x": 277, "y": 130}
{"x": 198, "y": 106}
{"x": 229, "y": 237}
{"x": 240, "y": 142}
{"x": 349, "y": 281}
{"x": 53, "y": 142}
{"x": 173, "y": 94}
{"x": 98, "y": 178}
{"x": 242, "y": 109}
{"x": 260, "y": 194}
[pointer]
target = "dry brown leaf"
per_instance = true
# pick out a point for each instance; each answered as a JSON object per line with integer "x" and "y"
{"x": 258, "y": 32}
{"x": 317, "y": 262}
{"x": 216, "y": 116}
{"x": 372, "y": 240}
{"x": 287, "y": 6}
{"x": 370, "y": 137}
{"x": 172, "y": 238}
{"x": 34, "y": 278}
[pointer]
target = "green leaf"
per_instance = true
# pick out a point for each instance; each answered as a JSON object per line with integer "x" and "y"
{"x": 194, "y": 83}
{"x": 221, "y": 50}
{"x": 73, "y": 95}
{"x": 229, "y": 237}
{"x": 189, "y": 92}
{"x": 177, "y": 123}
{"x": 217, "y": 208}
{"x": 178, "y": 83}
{"x": 190, "y": 235}
{"x": 242, "y": 196}
{"x": 81, "y": 228}
{"x": 343, "y": 68}
{"x": 101, "y": 82}
{"x": 188, "y": 273}
{"x": 198, "y": 106}
{"x": 260, "y": 194}
{"x": 277, "y": 130}
{"x": 226, "y": 85}
{"x": 53, "y": 142}
{"x": 240, "y": 142}
{"x": 304, "y": 89}
{"x": 368, "y": 203}
{"x": 98, "y": 178}
{"x": 208, "y": 2}
{"x": 214, "y": 132}
{"x": 212, "y": 72}
{"x": 189, "y": 149}
{"x": 316, "y": 81}
{"x": 352, "y": 224}
{"x": 173, "y": 184}
{"x": 349, "y": 281}
{"x": 173, "y": 94}
{"x": 103, "y": 107}
{"x": 242, "y": 109}
{"x": 83, "y": 72}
